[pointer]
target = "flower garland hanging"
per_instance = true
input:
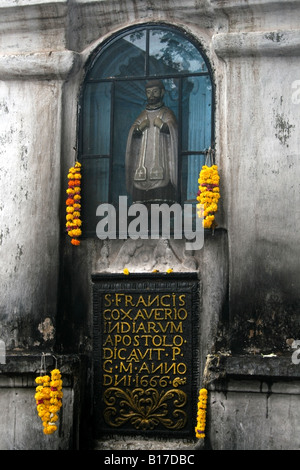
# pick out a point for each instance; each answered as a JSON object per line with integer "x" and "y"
{"x": 208, "y": 195}
{"x": 73, "y": 208}
{"x": 49, "y": 399}
{"x": 201, "y": 414}
{"x": 209, "y": 192}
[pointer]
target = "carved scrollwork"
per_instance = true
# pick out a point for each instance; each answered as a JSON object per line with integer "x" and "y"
{"x": 145, "y": 409}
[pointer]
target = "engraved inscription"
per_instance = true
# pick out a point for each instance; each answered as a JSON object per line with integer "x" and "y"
{"x": 145, "y": 373}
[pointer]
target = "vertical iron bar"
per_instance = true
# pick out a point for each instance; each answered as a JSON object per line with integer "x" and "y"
{"x": 179, "y": 195}
{"x": 147, "y": 52}
{"x": 111, "y": 150}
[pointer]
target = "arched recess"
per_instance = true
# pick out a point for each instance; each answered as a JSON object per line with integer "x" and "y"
{"x": 113, "y": 95}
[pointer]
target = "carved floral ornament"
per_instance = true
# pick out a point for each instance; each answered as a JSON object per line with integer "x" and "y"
{"x": 145, "y": 409}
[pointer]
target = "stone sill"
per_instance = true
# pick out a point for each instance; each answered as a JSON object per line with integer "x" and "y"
{"x": 44, "y": 65}
{"x": 266, "y": 43}
{"x": 228, "y": 5}
{"x": 258, "y": 367}
{"x": 20, "y": 370}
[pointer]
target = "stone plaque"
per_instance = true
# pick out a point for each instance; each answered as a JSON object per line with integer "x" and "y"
{"x": 145, "y": 353}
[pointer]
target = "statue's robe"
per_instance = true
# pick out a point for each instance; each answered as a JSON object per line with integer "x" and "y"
{"x": 152, "y": 158}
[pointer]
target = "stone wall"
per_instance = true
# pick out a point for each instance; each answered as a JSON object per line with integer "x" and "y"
{"x": 249, "y": 268}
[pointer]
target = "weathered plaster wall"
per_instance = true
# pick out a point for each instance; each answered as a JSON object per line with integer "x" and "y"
{"x": 249, "y": 270}
{"x": 255, "y": 404}
{"x": 260, "y": 165}
{"x": 20, "y": 427}
{"x": 273, "y": 407}
{"x": 30, "y": 182}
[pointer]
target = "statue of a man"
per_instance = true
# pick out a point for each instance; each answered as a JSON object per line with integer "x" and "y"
{"x": 152, "y": 150}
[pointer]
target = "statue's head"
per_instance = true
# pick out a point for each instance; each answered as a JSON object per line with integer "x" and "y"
{"x": 154, "y": 91}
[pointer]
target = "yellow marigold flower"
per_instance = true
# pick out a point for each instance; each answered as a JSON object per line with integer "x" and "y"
{"x": 53, "y": 409}
{"x": 50, "y": 429}
{"x": 76, "y": 232}
{"x": 56, "y": 383}
{"x": 170, "y": 270}
{"x": 77, "y": 222}
{"x": 125, "y": 271}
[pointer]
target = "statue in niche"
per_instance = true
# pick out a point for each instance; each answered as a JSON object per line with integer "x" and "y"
{"x": 151, "y": 154}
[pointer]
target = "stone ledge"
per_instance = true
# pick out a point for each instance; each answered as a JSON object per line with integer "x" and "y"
{"x": 237, "y": 4}
{"x": 262, "y": 366}
{"x": 267, "y": 43}
{"x": 12, "y": 10}
{"x": 39, "y": 65}
{"x": 246, "y": 368}
{"x": 21, "y": 369}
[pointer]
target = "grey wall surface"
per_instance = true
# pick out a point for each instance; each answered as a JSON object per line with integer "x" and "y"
{"x": 249, "y": 269}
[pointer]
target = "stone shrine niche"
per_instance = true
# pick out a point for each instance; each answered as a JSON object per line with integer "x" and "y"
{"x": 146, "y": 354}
{"x": 145, "y": 120}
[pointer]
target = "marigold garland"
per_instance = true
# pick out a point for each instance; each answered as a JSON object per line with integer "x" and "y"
{"x": 201, "y": 414}
{"x": 73, "y": 206}
{"x": 208, "y": 195}
{"x": 48, "y": 399}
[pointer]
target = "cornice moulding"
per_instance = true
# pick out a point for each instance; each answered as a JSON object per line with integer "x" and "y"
{"x": 267, "y": 43}
{"x": 39, "y": 65}
{"x": 252, "y": 4}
